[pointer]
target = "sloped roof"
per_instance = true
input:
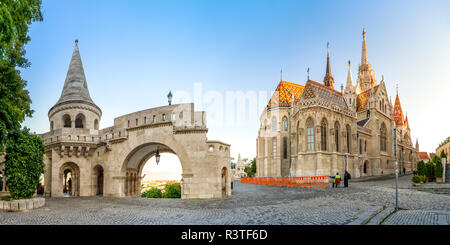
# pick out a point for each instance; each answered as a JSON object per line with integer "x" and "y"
{"x": 424, "y": 155}
{"x": 362, "y": 122}
{"x": 283, "y": 94}
{"x": 363, "y": 98}
{"x": 398, "y": 113}
{"x": 314, "y": 89}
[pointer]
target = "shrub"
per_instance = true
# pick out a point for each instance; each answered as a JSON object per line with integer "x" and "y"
{"x": 152, "y": 193}
{"x": 416, "y": 179}
{"x": 23, "y": 163}
{"x": 438, "y": 169}
{"x": 429, "y": 169}
{"x": 421, "y": 168}
{"x": 173, "y": 191}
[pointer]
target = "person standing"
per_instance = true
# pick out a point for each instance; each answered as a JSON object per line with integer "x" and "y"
{"x": 337, "y": 180}
{"x": 347, "y": 176}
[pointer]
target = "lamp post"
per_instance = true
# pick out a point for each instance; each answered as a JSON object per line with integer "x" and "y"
{"x": 158, "y": 156}
{"x": 290, "y": 148}
{"x": 169, "y": 97}
{"x": 396, "y": 166}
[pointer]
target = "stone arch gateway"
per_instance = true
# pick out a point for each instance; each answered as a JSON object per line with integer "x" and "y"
{"x": 109, "y": 161}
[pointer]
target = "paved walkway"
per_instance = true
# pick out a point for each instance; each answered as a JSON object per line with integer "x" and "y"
{"x": 362, "y": 202}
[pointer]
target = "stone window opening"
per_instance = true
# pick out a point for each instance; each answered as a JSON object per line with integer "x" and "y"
{"x": 336, "y": 135}
{"x": 79, "y": 121}
{"x": 96, "y": 124}
{"x": 128, "y": 123}
{"x": 285, "y": 148}
{"x": 310, "y": 134}
{"x": 67, "y": 121}
{"x": 274, "y": 146}
{"x": 285, "y": 124}
{"x": 348, "y": 139}
{"x": 274, "y": 124}
{"x": 51, "y": 126}
{"x": 211, "y": 148}
{"x": 365, "y": 145}
{"x": 323, "y": 135}
{"x": 136, "y": 121}
{"x": 383, "y": 132}
{"x": 164, "y": 117}
{"x": 145, "y": 120}
{"x": 154, "y": 119}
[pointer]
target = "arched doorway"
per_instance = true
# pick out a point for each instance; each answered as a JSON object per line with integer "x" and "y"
{"x": 98, "y": 180}
{"x": 224, "y": 181}
{"x": 70, "y": 176}
{"x": 366, "y": 168}
{"x": 145, "y": 156}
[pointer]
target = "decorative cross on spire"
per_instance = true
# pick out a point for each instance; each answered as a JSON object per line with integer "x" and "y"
{"x": 308, "y": 73}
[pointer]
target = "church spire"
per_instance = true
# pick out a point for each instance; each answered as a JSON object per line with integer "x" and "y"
{"x": 328, "y": 80}
{"x": 364, "y": 57}
{"x": 349, "y": 84}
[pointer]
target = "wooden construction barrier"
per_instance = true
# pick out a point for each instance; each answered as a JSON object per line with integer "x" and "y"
{"x": 289, "y": 182}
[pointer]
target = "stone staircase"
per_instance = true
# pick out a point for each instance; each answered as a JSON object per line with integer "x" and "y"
{"x": 447, "y": 173}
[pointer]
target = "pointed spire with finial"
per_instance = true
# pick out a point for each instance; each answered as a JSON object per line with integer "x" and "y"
{"x": 281, "y": 74}
{"x": 328, "y": 80}
{"x": 308, "y": 73}
{"x": 364, "y": 57}
{"x": 349, "y": 84}
{"x": 75, "y": 86}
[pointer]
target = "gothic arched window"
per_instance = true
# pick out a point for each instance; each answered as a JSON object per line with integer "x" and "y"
{"x": 79, "y": 121}
{"x": 336, "y": 135}
{"x": 285, "y": 124}
{"x": 285, "y": 148}
{"x": 310, "y": 134}
{"x": 274, "y": 124}
{"x": 323, "y": 135}
{"x": 348, "y": 138}
{"x": 383, "y": 137}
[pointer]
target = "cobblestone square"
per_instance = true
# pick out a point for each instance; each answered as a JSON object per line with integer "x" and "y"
{"x": 251, "y": 205}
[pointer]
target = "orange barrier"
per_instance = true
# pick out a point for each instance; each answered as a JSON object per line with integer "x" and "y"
{"x": 289, "y": 182}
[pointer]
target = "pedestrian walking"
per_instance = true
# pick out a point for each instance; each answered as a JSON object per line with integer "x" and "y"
{"x": 347, "y": 176}
{"x": 404, "y": 170}
{"x": 337, "y": 180}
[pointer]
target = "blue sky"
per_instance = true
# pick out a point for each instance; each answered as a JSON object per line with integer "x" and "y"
{"x": 134, "y": 52}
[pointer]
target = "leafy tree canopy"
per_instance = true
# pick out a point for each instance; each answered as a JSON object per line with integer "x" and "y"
{"x": 24, "y": 163}
{"x": 15, "y": 17}
{"x": 251, "y": 168}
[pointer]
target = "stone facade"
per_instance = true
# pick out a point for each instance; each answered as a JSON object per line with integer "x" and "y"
{"x": 239, "y": 170}
{"x": 313, "y": 129}
{"x": 444, "y": 146}
{"x": 83, "y": 160}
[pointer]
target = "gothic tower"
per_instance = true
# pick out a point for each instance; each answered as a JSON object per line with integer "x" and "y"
{"x": 75, "y": 108}
{"x": 328, "y": 80}
{"x": 350, "y": 90}
{"x": 366, "y": 76}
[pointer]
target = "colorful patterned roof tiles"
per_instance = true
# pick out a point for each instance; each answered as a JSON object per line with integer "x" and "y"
{"x": 363, "y": 98}
{"x": 283, "y": 94}
{"x": 398, "y": 113}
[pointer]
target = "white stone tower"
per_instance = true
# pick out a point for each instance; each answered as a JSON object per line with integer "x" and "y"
{"x": 75, "y": 108}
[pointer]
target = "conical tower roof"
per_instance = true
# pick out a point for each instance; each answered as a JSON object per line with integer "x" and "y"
{"x": 398, "y": 113}
{"x": 75, "y": 86}
{"x": 349, "y": 85}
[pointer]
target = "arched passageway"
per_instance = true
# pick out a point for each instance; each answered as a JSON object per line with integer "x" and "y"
{"x": 98, "y": 180}
{"x": 145, "y": 156}
{"x": 224, "y": 174}
{"x": 70, "y": 176}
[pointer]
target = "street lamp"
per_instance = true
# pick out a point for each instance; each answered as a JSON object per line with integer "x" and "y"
{"x": 158, "y": 156}
{"x": 396, "y": 166}
{"x": 169, "y": 97}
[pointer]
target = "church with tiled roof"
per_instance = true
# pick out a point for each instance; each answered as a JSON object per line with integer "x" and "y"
{"x": 316, "y": 130}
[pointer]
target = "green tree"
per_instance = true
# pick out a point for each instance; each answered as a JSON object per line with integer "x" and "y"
{"x": 421, "y": 168}
{"x": 15, "y": 17}
{"x": 250, "y": 169}
{"x": 443, "y": 155}
{"x": 152, "y": 193}
{"x": 172, "y": 191}
{"x": 23, "y": 163}
{"x": 429, "y": 169}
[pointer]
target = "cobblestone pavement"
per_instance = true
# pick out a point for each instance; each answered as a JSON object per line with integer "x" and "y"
{"x": 250, "y": 204}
